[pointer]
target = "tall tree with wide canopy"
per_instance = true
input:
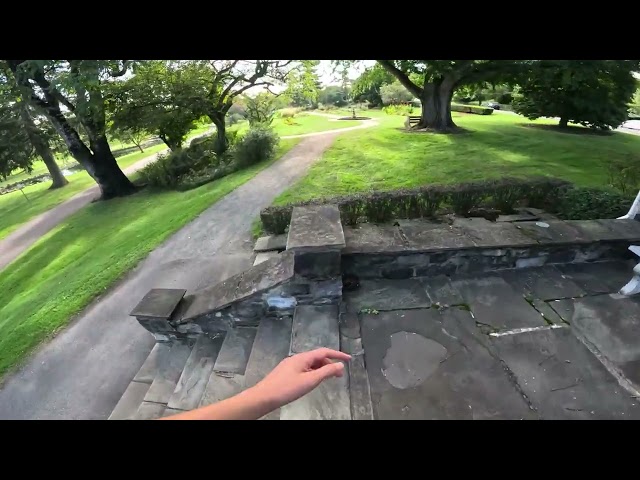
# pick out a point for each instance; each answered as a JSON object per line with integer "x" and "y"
{"x": 435, "y": 81}
{"x": 77, "y": 86}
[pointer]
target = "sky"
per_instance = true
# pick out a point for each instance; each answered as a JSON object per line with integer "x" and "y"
{"x": 328, "y": 78}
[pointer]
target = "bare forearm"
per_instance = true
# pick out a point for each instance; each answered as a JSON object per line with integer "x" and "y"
{"x": 247, "y": 405}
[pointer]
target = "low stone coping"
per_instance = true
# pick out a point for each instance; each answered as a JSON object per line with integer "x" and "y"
{"x": 315, "y": 228}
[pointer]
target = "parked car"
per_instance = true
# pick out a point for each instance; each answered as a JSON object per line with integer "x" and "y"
{"x": 494, "y": 105}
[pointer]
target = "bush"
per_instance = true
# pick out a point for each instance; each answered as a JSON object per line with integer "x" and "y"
{"x": 257, "y": 145}
{"x": 425, "y": 201}
{"x": 197, "y": 179}
{"x": 624, "y": 174}
{"x": 587, "y": 203}
{"x": 505, "y": 98}
{"x": 400, "y": 110}
{"x": 471, "y": 109}
{"x": 288, "y": 112}
{"x": 395, "y": 93}
{"x": 234, "y": 118}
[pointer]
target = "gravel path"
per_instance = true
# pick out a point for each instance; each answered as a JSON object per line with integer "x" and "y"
{"x": 82, "y": 373}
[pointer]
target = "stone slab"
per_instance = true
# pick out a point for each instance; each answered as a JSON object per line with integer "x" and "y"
{"x": 268, "y": 274}
{"x": 235, "y": 351}
{"x": 488, "y": 234}
{"x": 328, "y": 401}
{"x": 517, "y": 217}
{"x": 495, "y": 303}
{"x": 597, "y": 230}
{"x": 271, "y": 242}
{"x": 167, "y": 378}
{"x": 195, "y": 374}
{"x": 149, "y": 411}
{"x": 171, "y": 411}
{"x": 628, "y": 230}
{"x": 371, "y": 238}
{"x": 359, "y": 389}
{"x": 315, "y": 227}
{"x": 220, "y": 387}
{"x": 441, "y": 291}
{"x": 434, "y": 368}
{"x": 545, "y": 283}
{"x": 423, "y": 238}
{"x": 263, "y": 257}
{"x": 270, "y": 347}
{"x": 562, "y": 379}
{"x": 558, "y": 232}
{"x": 130, "y": 401}
{"x": 349, "y": 325}
{"x": 387, "y": 295}
{"x": 315, "y": 326}
{"x": 158, "y": 303}
{"x": 153, "y": 363}
{"x": 352, "y": 346}
{"x": 549, "y": 314}
{"x": 612, "y": 324}
{"x": 600, "y": 277}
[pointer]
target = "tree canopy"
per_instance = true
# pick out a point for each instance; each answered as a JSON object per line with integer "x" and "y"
{"x": 366, "y": 87}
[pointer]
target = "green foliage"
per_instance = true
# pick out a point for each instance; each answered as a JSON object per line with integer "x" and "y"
{"x": 288, "y": 112}
{"x": 16, "y": 151}
{"x": 394, "y": 94}
{"x": 586, "y": 203}
{"x": 257, "y": 145}
{"x": 234, "y": 118}
{"x": 400, "y": 110}
{"x": 471, "y": 109}
{"x": 593, "y": 93}
{"x": 624, "y": 174}
{"x": 334, "y": 96}
{"x": 505, "y": 98}
{"x": 303, "y": 85}
{"x": 366, "y": 87}
{"x": 260, "y": 109}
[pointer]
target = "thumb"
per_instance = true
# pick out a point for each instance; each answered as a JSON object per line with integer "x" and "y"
{"x": 327, "y": 371}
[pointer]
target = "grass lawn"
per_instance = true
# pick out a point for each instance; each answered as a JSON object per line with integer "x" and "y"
{"x": 386, "y": 157}
{"x": 78, "y": 260}
{"x": 16, "y": 210}
{"x": 302, "y": 123}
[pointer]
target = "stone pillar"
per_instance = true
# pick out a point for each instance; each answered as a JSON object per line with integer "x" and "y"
{"x": 316, "y": 238}
{"x": 155, "y": 309}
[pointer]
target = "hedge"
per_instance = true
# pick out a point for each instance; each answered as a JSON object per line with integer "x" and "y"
{"x": 502, "y": 194}
{"x": 455, "y": 107}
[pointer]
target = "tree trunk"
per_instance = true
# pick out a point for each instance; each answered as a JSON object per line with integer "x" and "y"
{"x": 104, "y": 169}
{"x": 221, "y": 136}
{"x": 563, "y": 122}
{"x": 42, "y": 148}
{"x": 139, "y": 147}
{"x": 436, "y": 106}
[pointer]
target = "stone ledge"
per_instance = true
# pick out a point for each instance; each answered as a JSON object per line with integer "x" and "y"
{"x": 315, "y": 228}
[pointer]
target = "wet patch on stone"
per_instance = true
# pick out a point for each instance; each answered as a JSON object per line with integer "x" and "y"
{"x": 411, "y": 359}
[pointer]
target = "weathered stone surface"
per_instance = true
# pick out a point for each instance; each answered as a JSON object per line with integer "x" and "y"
{"x": 158, "y": 303}
{"x": 441, "y": 291}
{"x": 154, "y": 362}
{"x": 596, "y": 230}
{"x": 318, "y": 264}
{"x": 493, "y": 302}
{"x": 130, "y": 401}
{"x": 387, "y": 295}
{"x": 268, "y": 274}
{"x": 195, "y": 374}
{"x": 352, "y": 346}
{"x": 326, "y": 291}
{"x": 425, "y": 238}
{"x": 484, "y": 233}
{"x": 517, "y": 217}
{"x": 601, "y": 277}
{"x": 612, "y": 324}
{"x": 562, "y": 379}
{"x": 315, "y": 227}
{"x": 548, "y": 313}
{"x": 271, "y": 242}
{"x": 157, "y": 325}
{"x": 270, "y": 347}
{"x": 167, "y": 378}
{"x": 371, "y": 238}
{"x": 359, "y": 389}
{"x": 328, "y": 401}
{"x": 235, "y": 351}
{"x": 546, "y": 283}
{"x": 170, "y": 411}
{"x": 220, "y": 387}
{"x": 628, "y": 230}
{"x": 263, "y": 257}
{"x": 349, "y": 325}
{"x": 315, "y": 326}
{"x": 467, "y": 383}
{"x": 558, "y": 232}
{"x": 148, "y": 411}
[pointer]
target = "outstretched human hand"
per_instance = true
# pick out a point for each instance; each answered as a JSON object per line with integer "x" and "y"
{"x": 297, "y": 375}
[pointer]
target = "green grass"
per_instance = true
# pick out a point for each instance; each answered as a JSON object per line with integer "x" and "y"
{"x": 81, "y": 258}
{"x": 301, "y": 124}
{"x": 15, "y": 209}
{"x": 386, "y": 157}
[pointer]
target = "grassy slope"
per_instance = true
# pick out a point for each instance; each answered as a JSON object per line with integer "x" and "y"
{"x": 385, "y": 157}
{"x": 16, "y": 210}
{"x": 78, "y": 260}
{"x": 302, "y": 123}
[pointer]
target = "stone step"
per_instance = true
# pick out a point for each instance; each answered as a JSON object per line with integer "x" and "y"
{"x": 130, "y": 401}
{"x": 315, "y": 326}
{"x": 264, "y": 256}
{"x": 153, "y": 363}
{"x": 271, "y": 243}
{"x": 235, "y": 351}
{"x": 148, "y": 411}
{"x": 169, "y": 373}
{"x": 195, "y": 375}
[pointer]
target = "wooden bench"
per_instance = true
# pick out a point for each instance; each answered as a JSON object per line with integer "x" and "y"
{"x": 412, "y": 120}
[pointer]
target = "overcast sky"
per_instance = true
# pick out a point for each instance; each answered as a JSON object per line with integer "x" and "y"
{"x": 327, "y": 78}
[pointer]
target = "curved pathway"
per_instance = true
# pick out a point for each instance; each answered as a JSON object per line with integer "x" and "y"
{"x": 82, "y": 373}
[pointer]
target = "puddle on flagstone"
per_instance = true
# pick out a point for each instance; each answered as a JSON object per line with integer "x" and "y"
{"x": 411, "y": 359}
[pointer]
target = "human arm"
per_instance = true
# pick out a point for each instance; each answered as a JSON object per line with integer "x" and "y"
{"x": 292, "y": 378}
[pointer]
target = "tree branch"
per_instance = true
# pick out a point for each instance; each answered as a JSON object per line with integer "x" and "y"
{"x": 402, "y": 77}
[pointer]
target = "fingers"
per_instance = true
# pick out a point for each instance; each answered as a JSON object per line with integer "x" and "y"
{"x": 320, "y": 354}
{"x": 327, "y": 371}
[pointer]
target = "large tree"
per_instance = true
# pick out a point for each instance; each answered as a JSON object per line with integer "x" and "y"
{"x": 435, "y": 81}
{"x": 367, "y": 86}
{"x": 77, "y": 87}
{"x": 594, "y": 93}
{"x": 303, "y": 85}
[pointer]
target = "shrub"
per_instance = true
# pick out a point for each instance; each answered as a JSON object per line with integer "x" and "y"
{"x": 234, "y": 118}
{"x": 197, "y": 179}
{"x": 276, "y": 219}
{"x": 625, "y": 174}
{"x": 505, "y": 98}
{"x": 399, "y": 110}
{"x": 587, "y": 203}
{"x": 257, "y": 145}
{"x": 260, "y": 109}
{"x": 471, "y": 109}
{"x": 288, "y": 112}
{"x": 467, "y": 196}
{"x": 394, "y": 93}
